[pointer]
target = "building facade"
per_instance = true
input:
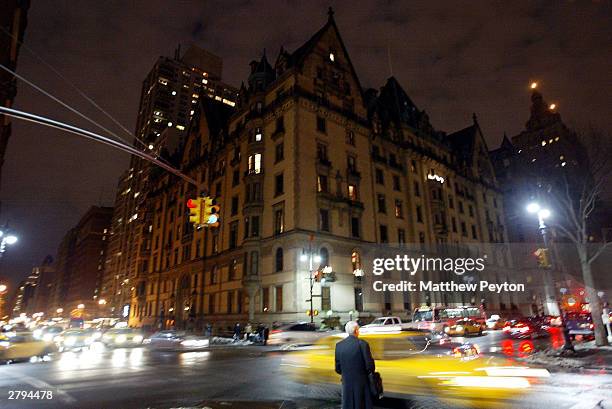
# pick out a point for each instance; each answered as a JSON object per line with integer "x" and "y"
{"x": 79, "y": 266}
{"x": 312, "y": 172}
{"x": 169, "y": 96}
{"x": 14, "y": 19}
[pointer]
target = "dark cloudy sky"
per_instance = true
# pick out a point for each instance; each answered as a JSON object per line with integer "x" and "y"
{"x": 453, "y": 58}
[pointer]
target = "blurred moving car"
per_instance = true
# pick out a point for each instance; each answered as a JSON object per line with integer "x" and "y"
{"x": 122, "y": 337}
{"x": 411, "y": 363}
{"x": 171, "y": 340}
{"x": 77, "y": 338}
{"x": 47, "y": 334}
{"x": 525, "y": 328}
{"x": 464, "y": 328}
{"x": 23, "y": 346}
{"x": 297, "y": 333}
{"x": 495, "y": 322}
{"x": 580, "y": 324}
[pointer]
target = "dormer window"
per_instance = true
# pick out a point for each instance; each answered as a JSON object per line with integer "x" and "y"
{"x": 258, "y": 135}
{"x": 332, "y": 56}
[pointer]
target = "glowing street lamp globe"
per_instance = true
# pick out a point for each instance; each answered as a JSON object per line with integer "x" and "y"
{"x": 3, "y": 288}
{"x": 533, "y": 207}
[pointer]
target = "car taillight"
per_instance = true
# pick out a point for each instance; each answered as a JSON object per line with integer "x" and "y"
{"x": 275, "y": 331}
{"x": 506, "y": 328}
{"x": 591, "y": 326}
{"x": 457, "y": 352}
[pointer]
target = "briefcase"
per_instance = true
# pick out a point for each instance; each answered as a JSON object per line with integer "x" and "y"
{"x": 376, "y": 385}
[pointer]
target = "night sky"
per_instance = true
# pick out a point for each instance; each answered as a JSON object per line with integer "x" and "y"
{"x": 452, "y": 58}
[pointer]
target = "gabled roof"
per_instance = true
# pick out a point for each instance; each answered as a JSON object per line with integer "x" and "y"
{"x": 463, "y": 142}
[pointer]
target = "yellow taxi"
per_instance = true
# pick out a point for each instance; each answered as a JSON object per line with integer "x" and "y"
{"x": 22, "y": 346}
{"x": 415, "y": 363}
{"x": 464, "y": 327}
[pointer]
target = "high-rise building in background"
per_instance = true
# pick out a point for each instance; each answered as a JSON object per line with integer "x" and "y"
{"x": 310, "y": 164}
{"x": 79, "y": 265}
{"x": 45, "y": 274}
{"x": 170, "y": 94}
{"x": 13, "y": 21}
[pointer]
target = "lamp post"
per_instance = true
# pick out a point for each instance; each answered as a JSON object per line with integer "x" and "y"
{"x": 311, "y": 258}
{"x": 551, "y": 304}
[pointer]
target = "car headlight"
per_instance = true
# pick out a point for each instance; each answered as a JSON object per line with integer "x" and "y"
{"x": 459, "y": 327}
{"x": 5, "y": 344}
{"x": 47, "y": 337}
{"x": 120, "y": 339}
{"x": 194, "y": 343}
{"x": 447, "y": 329}
{"x": 70, "y": 341}
{"x": 137, "y": 339}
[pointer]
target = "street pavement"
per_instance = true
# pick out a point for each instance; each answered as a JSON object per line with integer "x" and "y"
{"x": 233, "y": 377}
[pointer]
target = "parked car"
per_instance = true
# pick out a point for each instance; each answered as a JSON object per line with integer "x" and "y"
{"x": 464, "y": 327}
{"x": 297, "y": 333}
{"x": 122, "y": 337}
{"x": 23, "y": 346}
{"x": 171, "y": 340}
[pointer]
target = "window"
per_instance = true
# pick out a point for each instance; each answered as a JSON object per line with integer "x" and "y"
{"x": 417, "y": 189}
{"x": 254, "y": 270}
{"x": 322, "y": 152}
{"x": 324, "y": 253}
{"x": 419, "y": 214}
{"x": 463, "y": 229}
{"x": 230, "y": 300}
{"x": 279, "y": 221}
{"x": 396, "y": 184}
{"x": 233, "y": 238}
{"x": 211, "y": 303}
{"x": 278, "y": 260}
{"x": 258, "y": 135}
{"x": 471, "y": 210}
{"x": 234, "y": 210}
{"x": 451, "y": 203}
{"x": 280, "y": 124}
{"x": 265, "y": 297}
{"x": 255, "y": 226}
{"x": 399, "y": 210}
{"x": 461, "y": 207}
{"x": 355, "y": 227}
{"x": 233, "y": 270}
{"x": 350, "y": 137}
{"x": 380, "y": 177}
{"x": 279, "y": 153}
{"x": 352, "y": 192}
{"x": 321, "y": 126}
{"x": 322, "y": 184}
{"x": 401, "y": 236}
{"x": 279, "y": 185}
{"x": 246, "y": 227}
{"x": 236, "y": 178}
{"x": 214, "y": 275}
{"x": 215, "y": 243}
{"x": 324, "y": 219}
{"x": 382, "y": 206}
{"x": 351, "y": 164}
{"x": 358, "y": 299}
{"x": 255, "y": 163}
{"x": 384, "y": 236}
{"x": 454, "y": 224}
{"x": 278, "y": 302}
{"x": 474, "y": 235}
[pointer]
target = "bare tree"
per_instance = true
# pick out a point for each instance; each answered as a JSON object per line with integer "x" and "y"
{"x": 577, "y": 198}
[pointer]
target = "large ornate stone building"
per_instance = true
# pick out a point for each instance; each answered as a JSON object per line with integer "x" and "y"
{"x": 310, "y": 166}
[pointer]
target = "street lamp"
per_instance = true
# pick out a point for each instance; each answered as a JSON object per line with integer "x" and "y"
{"x": 544, "y": 213}
{"x": 102, "y": 301}
{"x": 311, "y": 257}
{"x": 6, "y": 238}
{"x": 3, "y": 288}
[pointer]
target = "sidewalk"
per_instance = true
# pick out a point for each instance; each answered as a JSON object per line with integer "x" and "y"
{"x": 587, "y": 357}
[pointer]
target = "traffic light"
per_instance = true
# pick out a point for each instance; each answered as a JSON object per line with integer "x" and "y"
{"x": 542, "y": 257}
{"x": 210, "y": 217}
{"x": 195, "y": 211}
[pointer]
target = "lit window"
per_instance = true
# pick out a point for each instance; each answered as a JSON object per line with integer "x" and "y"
{"x": 563, "y": 164}
{"x": 332, "y": 57}
{"x": 543, "y": 143}
{"x": 255, "y": 163}
{"x": 561, "y": 157}
{"x": 258, "y": 135}
{"x": 173, "y": 92}
{"x": 556, "y": 138}
{"x": 180, "y": 127}
{"x": 550, "y": 141}
{"x": 170, "y": 124}
{"x": 204, "y": 81}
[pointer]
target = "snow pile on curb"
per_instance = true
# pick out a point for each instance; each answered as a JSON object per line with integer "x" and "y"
{"x": 587, "y": 355}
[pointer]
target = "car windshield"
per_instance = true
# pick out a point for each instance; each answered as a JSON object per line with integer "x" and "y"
{"x": 423, "y": 316}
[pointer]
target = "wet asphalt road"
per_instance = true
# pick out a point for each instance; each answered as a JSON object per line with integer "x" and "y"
{"x": 232, "y": 377}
